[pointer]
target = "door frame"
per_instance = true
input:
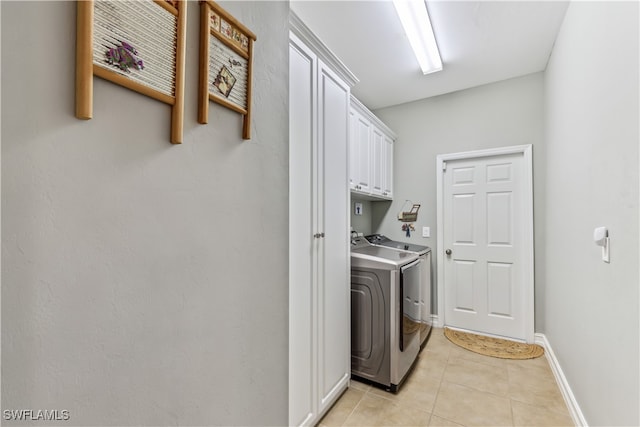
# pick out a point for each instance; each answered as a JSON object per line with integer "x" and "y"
{"x": 528, "y": 267}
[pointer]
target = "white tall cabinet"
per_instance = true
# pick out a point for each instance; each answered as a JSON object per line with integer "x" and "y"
{"x": 319, "y": 257}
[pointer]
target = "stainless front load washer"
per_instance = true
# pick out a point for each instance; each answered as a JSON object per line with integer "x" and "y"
{"x": 385, "y": 316}
{"x": 424, "y": 252}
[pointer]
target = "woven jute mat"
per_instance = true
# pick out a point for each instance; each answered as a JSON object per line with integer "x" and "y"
{"x": 494, "y": 347}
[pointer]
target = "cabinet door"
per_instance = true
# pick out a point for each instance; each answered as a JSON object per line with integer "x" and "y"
{"x": 334, "y": 273}
{"x": 378, "y": 156}
{"x": 360, "y": 148}
{"x": 353, "y": 150}
{"x": 387, "y": 165}
{"x": 302, "y": 121}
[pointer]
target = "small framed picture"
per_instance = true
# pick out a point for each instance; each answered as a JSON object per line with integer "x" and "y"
{"x": 224, "y": 81}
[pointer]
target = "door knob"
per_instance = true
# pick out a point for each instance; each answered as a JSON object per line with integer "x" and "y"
{"x": 448, "y": 252}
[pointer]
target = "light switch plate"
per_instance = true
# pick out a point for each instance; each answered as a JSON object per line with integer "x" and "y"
{"x": 426, "y": 232}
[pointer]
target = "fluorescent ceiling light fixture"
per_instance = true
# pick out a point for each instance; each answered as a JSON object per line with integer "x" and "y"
{"x": 417, "y": 25}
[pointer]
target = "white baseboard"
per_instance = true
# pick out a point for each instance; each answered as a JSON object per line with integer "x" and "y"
{"x": 567, "y": 394}
{"x": 436, "y": 321}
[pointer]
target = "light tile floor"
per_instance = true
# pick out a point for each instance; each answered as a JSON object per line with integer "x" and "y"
{"x": 450, "y": 386}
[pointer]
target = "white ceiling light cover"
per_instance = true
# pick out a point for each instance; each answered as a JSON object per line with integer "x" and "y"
{"x": 417, "y": 25}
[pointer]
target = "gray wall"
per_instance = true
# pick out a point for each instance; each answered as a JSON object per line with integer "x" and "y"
{"x": 495, "y": 115}
{"x": 142, "y": 283}
{"x": 590, "y": 308}
{"x": 362, "y": 223}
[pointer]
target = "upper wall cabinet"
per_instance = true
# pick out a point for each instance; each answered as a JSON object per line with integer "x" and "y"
{"x": 371, "y": 154}
{"x": 359, "y": 152}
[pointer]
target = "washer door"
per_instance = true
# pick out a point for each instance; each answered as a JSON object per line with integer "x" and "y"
{"x": 369, "y": 334}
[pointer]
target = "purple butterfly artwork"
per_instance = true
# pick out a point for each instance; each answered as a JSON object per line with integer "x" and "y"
{"x": 124, "y": 56}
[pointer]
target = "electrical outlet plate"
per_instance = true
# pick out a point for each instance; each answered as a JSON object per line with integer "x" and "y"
{"x": 426, "y": 231}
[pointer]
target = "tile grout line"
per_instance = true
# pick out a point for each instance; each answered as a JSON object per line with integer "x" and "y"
{"x": 539, "y": 406}
{"x": 513, "y": 418}
{"x": 354, "y": 408}
{"x": 454, "y": 358}
{"x": 438, "y": 392}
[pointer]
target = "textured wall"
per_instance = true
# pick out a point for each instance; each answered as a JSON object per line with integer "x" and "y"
{"x": 142, "y": 283}
{"x": 591, "y": 310}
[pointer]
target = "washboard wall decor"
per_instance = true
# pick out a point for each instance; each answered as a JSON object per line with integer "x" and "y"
{"x": 226, "y": 59}
{"x": 137, "y": 44}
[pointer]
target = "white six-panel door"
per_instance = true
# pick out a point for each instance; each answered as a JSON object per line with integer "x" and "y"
{"x": 486, "y": 251}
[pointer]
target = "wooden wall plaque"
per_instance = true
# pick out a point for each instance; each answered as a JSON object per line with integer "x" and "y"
{"x": 136, "y": 44}
{"x": 226, "y": 59}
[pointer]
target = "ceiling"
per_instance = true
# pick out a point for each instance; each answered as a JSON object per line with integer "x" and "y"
{"x": 480, "y": 42}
